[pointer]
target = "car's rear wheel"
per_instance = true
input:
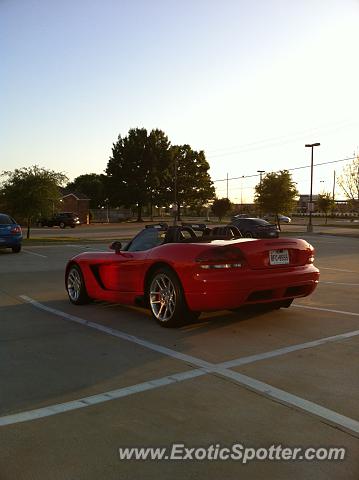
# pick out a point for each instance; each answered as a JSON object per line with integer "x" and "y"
{"x": 166, "y": 299}
{"x": 62, "y": 225}
{"x": 16, "y": 249}
{"x": 75, "y": 286}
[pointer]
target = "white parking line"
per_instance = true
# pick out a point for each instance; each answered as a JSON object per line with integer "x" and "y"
{"x": 342, "y": 312}
{"x": 341, "y": 283}
{"x": 293, "y": 348}
{"x": 33, "y": 253}
{"x": 346, "y": 423}
{"x": 283, "y": 397}
{"x": 99, "y": 398}
{"x": 124, "y": 336}
{"x": 337, "y": 269}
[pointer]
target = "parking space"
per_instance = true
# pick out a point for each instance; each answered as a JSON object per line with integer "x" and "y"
{"x": 83, "y": 444}
{"x": 250, "y": 377}
{"x": 45, "y": 362}
{"x": 325, "y": 375}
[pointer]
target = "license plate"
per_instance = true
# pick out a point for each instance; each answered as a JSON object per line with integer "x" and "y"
{"x": 278, "y": 257}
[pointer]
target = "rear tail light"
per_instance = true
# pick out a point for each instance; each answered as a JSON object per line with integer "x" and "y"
{"x": 15, "y": 230}
{"x": 221, "y": 257}
{"x": 310, "y": 252}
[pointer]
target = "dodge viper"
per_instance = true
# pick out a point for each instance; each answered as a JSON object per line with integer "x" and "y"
{"x": 180, "y": 271}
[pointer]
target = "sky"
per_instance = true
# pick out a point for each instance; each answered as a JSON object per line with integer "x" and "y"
{"x": 248, "y": 82}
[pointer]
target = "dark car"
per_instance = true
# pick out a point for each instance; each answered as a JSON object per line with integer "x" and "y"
{"x": 256, "y": 228}
{"x": 62, "y": 220}
{"x": 10, "y": 233}
{"x": 239, "y": 215}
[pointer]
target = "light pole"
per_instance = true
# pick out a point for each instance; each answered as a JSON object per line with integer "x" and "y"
{"x": 260, "y": 175}
{"x": 175, "y": 195}
{"x": 310, "y": 225}
{"x": 260, "y": 183}
{"x": 242, "y": 192}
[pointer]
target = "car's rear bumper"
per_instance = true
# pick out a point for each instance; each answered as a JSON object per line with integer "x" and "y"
{"x": 10, "y": 241}
{"x": 231, "y": 289}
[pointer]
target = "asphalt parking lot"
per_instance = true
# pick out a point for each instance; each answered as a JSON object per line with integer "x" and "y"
{"x": 77, "y": 383}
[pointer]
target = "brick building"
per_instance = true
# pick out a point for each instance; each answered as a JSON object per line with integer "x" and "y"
{"x": 77, "y": 203}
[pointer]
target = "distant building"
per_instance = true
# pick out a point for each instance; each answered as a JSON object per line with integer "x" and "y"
{"x": 248, "y": 208}
{"x": 78, "y": 203}
{"x": 302, "y": 204}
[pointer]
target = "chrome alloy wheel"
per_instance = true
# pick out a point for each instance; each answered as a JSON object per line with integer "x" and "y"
{"x": 74, "y": 284}
{"x": 162, "y": 297}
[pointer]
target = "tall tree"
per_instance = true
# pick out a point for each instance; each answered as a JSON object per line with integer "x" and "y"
{"x": 187, "y": 181}
{"x": 325, "y": 204}
{"x": 31, "y": 191}
{"x": 92, "y": 185}
{"x": 135, "y": 167}
{"x": 159, "y": 152}
{"x": 276, "y": 193}
{"x": 220, "y": 207}
{"x": 349, "y": 181}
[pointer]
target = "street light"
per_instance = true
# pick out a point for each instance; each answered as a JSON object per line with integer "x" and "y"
{"x": 260, "y": 182}
{"x": 310, "y": 226}
{"x": 175, "y": 195}
{"x": 260, "y": 175}
{"x": 242, "y": 191}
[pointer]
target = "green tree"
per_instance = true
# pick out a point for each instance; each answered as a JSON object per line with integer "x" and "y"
{"x": 91, "y": 184}
{"x": 276, "y": 193}
{"x": 220, "y": 207}
{"x": 187, "y": 180}
{"x": 136, "y": 166}
{"x": 160, "y": 156}
{"x": 325, "y": 204}
{"x": 31, "y": 191}
{"x": 349, "y": 181}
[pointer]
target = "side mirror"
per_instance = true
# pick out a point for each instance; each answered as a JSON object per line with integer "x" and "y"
{"x": 116, "y": 245}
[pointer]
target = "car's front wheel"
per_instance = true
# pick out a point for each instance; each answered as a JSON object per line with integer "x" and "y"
{"x": 16, "y": 249}
{"x": 75, "y": 286}
{"x": 166, "y": 299}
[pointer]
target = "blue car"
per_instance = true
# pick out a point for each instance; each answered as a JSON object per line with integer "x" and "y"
{"x": 10, "y": 233}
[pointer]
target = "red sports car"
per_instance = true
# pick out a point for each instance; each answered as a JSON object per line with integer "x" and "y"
{"x": 180, "y": 271}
